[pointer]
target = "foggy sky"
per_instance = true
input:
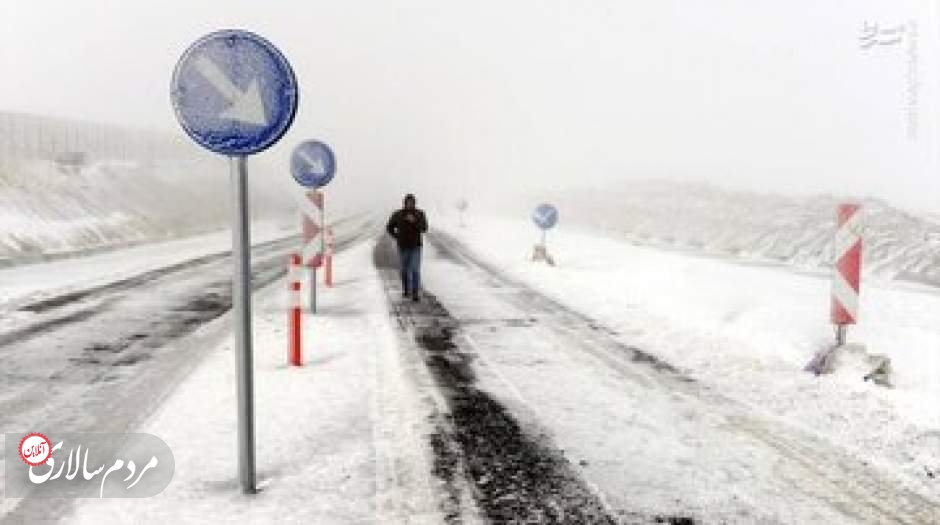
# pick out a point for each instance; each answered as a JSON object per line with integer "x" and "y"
{"x": 471, "y": 98}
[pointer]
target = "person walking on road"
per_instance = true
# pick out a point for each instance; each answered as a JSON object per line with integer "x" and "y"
{"x": 406, "y": 226}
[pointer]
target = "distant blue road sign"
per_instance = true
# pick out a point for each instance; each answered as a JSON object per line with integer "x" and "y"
{"x": 545, "y": 216}
{"x": 312, "y": 164}
{"x": 234, "y": 93}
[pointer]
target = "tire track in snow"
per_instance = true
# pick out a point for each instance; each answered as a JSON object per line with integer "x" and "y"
{"x": 109, "y": 376}
{"x": 515, "y": 472}
{"x": 808, "y": 464}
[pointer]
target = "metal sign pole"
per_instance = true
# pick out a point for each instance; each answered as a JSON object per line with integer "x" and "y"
{"x": 241, "y": 310}
{"x": 319, "y": 257}
{"x": 313, "y": 280}
{"x": 322, "y": 221}
{"x": 313, "y": 290}
{"x": 235, "y": 94}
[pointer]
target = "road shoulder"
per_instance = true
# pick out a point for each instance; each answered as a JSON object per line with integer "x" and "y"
{"x": 330, "y": 448}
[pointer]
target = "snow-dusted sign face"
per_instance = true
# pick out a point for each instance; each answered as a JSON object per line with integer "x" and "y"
{"x": 545, "y": 216}
{"x": 462, "y": 204}
{"x": 312, "y": 164}
{"x": 234, "y": 93}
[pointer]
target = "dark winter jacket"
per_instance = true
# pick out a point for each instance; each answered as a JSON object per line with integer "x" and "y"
{"x": 406, "y": 226}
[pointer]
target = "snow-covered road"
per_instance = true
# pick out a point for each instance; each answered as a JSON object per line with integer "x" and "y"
{"x": 653, "y": 441}
{"x": 523, "y": 373}
{"x": 495, "y": 398}
{"x": 101, "y": 358}
{"x": 340, "y": 440}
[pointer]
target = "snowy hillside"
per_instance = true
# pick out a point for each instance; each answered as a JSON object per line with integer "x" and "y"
{"x": 47, "y": 210}
{"x": 790, "y": 230}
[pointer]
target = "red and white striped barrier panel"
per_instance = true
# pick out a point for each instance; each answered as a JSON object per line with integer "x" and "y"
{"x": 294, "y": 310}
{"x": 846, "y": 278}
{"x": 312, "y": 210}
{"x": 328, "y": 254}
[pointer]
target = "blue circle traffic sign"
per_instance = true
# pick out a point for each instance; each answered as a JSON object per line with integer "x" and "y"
{"x": 234, "y": 93}
{"x": 545, "y": 216}
{"x": 312, "y": 164}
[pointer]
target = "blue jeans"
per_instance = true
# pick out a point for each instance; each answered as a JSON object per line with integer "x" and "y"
{"x": 410, "y": 269}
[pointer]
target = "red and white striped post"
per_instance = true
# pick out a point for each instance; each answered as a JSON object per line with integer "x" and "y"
{"x": 328, "y": 261}
{"x": 846, "y": 277}
{"x": 312, "y": 251}
{"x": 294, "y": 313}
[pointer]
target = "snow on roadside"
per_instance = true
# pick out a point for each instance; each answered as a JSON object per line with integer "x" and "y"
{"x": 783, "y": 230}
{"x": 40, "y": 279}
{"x": 47, "y": 211}
{"x": 336, "y": 439}
{"x": 748, "y": 329}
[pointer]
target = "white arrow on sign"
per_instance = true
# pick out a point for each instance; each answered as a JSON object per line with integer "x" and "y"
{"x": 544, "y": 216}
{"x": 246, "y": 106}
{"x": 316, "y": 164}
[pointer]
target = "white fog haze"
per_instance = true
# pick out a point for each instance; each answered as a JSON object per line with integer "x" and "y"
{"x": 667, "y": 261}
{"x": 489, "y": 98}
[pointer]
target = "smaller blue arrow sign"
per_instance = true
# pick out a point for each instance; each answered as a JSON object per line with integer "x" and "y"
{"x": 234, "y": 93}
{"x": 545, "y": 216}
{"x": 312, "y": 164}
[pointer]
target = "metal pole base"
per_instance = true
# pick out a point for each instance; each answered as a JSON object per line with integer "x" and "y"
{"x": 313, "y": 290}
{"x": 840, "y": 334}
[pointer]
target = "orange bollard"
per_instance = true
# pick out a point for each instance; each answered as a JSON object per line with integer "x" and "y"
{"x": 294, "y": 356}
{"x": 328, "y": 271}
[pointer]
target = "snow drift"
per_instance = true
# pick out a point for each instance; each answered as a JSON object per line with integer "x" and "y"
{"x": 47, "y": 210}
{"x": 70, "y": 186}
{"x": 795, "y": 231}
